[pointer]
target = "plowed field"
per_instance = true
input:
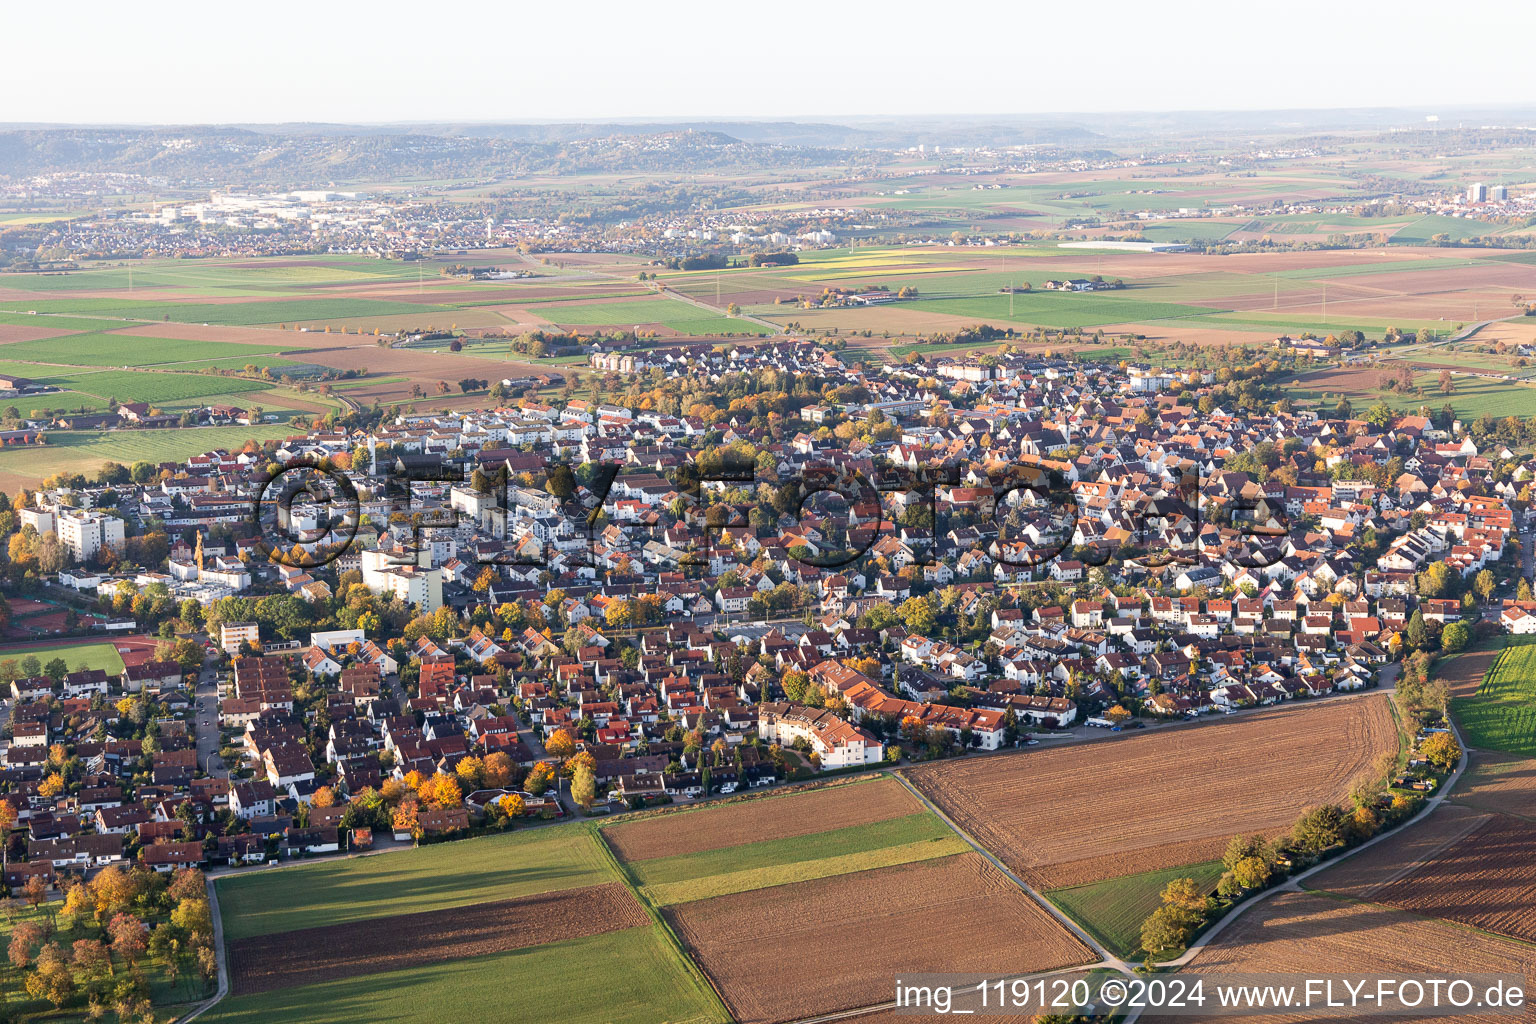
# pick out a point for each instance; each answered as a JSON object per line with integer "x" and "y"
{"x": 852, "y": 935}
{"x": 1302, "y": 934}
{"x": 1100, "y": 810}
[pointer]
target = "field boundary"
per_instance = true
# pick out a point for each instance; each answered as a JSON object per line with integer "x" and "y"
{"x": 690, "y": 966}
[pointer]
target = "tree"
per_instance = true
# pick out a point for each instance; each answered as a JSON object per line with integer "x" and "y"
{"x": 1441, "y": 751}
{"x": 1483, "y": 584}
{"x": 187, "y": 883}
{"x": 1319, "y": 828}
{"x": 26, "y": 939}
{"x": 129, "y": 937}
{"x": 497, "y": 771}
{"x": 1167, "y": 928}
{"x": 325, "y": 796}
{"x": 1455, "y": 637}
{"x": 92, "y": 957}
{"x": 113, "y": 891}
{"x": 560, "y": 744}
{"x": 52, "y": 980}
{"x": 584, "y": 787}
{"x": 1447, "y": 386}
{"x": 511, "y": 805}
{"x": 1251, "y": 872}
{"x": 193, "y": 917}
{"x": 917, "y": 615}
{"x": 1418, "y": 633}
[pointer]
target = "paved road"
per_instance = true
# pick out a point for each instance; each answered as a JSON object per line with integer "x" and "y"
{"x": 206, "y": 724}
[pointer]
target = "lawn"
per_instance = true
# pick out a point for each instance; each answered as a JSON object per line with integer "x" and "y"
{"x": 433, "y": 877}
{"x": 75, "y": 655}
{"x": 1502, "y": 714}
{"x": 1113, "y": 910}
{"x": 634, "y": 976}
{"x": 695, "y": 876}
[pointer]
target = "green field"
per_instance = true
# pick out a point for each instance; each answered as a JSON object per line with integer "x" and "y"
{"x": 76, "y": 655}
{"x": 124, "y": 350}
{"x": 228, "y": 313}
{"x": 1470, "y": 397}
{"x": 627, "y": 977}
{"x": 1502, "y": 714}
{"x": 83, "y": 451}
{"x": 1113, "y": 910}
{"x": 434, "y": 877}
{"x": 758, "y": 865}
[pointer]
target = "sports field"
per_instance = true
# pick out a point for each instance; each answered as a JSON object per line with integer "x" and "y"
{"x": 76, "y": 655}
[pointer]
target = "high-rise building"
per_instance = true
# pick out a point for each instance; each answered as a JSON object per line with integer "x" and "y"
{"x": 86, "y": 533}
{"x": 1477, "y": 193}
{"x": 1498, "y": 193}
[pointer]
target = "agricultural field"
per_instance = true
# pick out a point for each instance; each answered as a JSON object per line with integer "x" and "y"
{"x": 1500, "y": 714}
{"x": 401, "y": 936}
{"x": 779, "y": 861}
{"x": 778, "y": 814}
{"x": 1500, "y": 783}
{"x": 1312, "y": 934}
{"x": 1112, "y": 911}
{"x": 914, "y": 917}
{"x": 435, "y": 877}
{"x": 625, "y": 977}
{"x": 1485, "y": 879}
{"x": 83, "y": 451}
{"x": 1473, "y": 393}
{"x": 1032, "y": 811}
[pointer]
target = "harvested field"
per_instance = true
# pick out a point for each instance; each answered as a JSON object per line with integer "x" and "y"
{"x": 773, "y": 817}
{"x": 1039, "y": 814}
{"x": 917, "y": 917}
{"x": 309, "y": 955}
{"x": 201, "y": 332}
{"x": 1363, "y": 874}
{"x": 20, "y": 332}
{"x": 1487, "y": 879}
{"x": 1500, "y": 783}
{"x": 1306, "y": 934}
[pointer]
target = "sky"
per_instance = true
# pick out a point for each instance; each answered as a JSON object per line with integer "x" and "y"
{"x": 176, "y": 62}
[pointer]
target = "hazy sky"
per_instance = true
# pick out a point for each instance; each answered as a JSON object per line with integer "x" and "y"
{"x": 180, "y": 62}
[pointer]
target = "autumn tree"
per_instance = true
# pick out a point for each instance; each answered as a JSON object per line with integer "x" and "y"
{"x": 325, "y": 796}
{"x": 1441, "y": 751}
{"x": 129, "y": 937}
{"x": 584, "y": 787}
{"x": 560, "y": 744}
{"x": 511, "y": 805}
{"x": 497, "y": 770}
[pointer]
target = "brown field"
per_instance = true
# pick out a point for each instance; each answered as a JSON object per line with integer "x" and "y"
{"x": 1363, "y": 874}
{"x": 854, "y": 934}
{"x": 1501, "y": 783}
{"x": 268, "y": 962}
{"x": 1464, "y": 673}
{"x": 25, "y": 332}
{"x": 1487, "y": 879}
{"x": 1162, "y": 333}
{"x": 199, "y": 332}
{"x": 1302, "y": 934}
{"x": 1100, "y": 810}
{"x": 777, "y": 816}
